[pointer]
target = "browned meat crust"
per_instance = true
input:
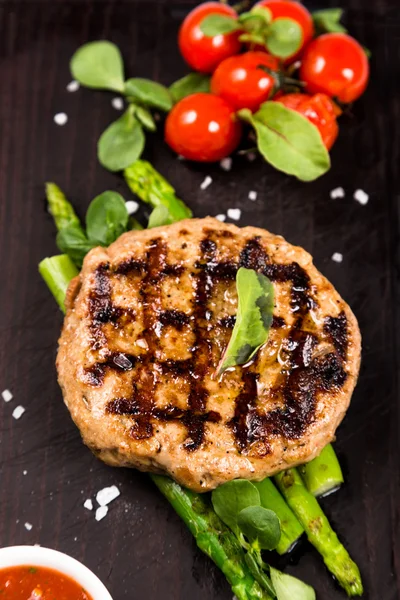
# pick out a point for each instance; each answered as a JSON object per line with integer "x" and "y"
{"x": 147, "y": 323}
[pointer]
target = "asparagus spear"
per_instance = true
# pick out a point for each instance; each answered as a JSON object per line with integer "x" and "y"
{"x": 152, "y": 188}
{"x": 319, "y": 531}
{"x": 291, "y": 529}
{"x": 60, "y": 208}
{"x": 323, "y": 475}
{"x": 57, "y": 272}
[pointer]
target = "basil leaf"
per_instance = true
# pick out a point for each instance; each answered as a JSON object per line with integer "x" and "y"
{"x": 253, "y": 319}
{"x": 72, "y": 240}
{"x": 149, "y": 93}
{"x": 232, "y": 497}
{"x": 160, "y": 216}
{"x": 288, "y": 587}
{"x": 260, "y": 525}
{"x": 190, "y": 84}
{"x": 328, "y": 20}
{"x": 219, "y": 24}
{"x": 145, "y": 117}
{"x": 285, "y": 37}
{"x": 288, "y": 141}
{"x": 99, "y": 65}
{"x": 121, "y": 143}
{"x": 106, "y": 218}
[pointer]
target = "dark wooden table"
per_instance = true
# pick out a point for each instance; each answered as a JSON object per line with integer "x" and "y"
{"x": 141, "y": 549}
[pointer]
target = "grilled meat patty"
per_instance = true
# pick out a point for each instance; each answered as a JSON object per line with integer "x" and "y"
{"x": 147, "y": 322}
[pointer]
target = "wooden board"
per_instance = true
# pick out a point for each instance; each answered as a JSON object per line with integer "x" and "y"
{"x": 141, "y": 550}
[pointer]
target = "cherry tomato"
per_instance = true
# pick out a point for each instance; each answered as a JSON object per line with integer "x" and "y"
{"x": 204, "y": 53}
{"x": 335, "y": 64}
{"x": 203, "y": 127}
{"x": 318, "y": 109}
{"x": 241, "y": 82}
{"x": 290, "y": 9}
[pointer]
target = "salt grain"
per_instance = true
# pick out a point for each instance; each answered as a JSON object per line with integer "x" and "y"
{"x": 117, "y": 103}
{"x": 132, "y": 207}
{"x": 251, "y": 156}
{"x": 60, "y": 118}
{"x": 28, "y": 526}
{"x": 24, "y": 472}
{"x": 221, "y": 218}
{"x": 253, "y": 195}
{"x": 226, "y": 164}
{"x": 234, "y": 213}
{"x": 107, "y": 495}
{"x": 101, "y": 512}
{"x": 206, "y": 183}
{"x": 361, "y": 197}
{"x": 18, "y": 412}
{"x": 73, "y": 86}
{"x": 7, "y": 395}
{"x": 88, "y": 504}
{"x": 337, "y": 193}
{"x": 337, "y": 257}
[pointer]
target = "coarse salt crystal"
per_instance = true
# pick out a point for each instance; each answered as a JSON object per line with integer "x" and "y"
{"x": 337, "y": 257}
{"x": 207, "y": 182}
{"x": 142, "y": 343}
{"x": 18, "y": 412}
{"x": 107, "y": 495}
{"x": 234, "y": 213}
{"x": 226, "y": 164}
{"x": 361, "y": 197}
{"x": 337, "y": 193}
{"x": 28, "y": 526}
{"x": 221, "y": 218}
{"x": 7, "y": 395}
{"x": 132, "y": 207}
{"x": 101, "y": 512}
{"x": 73, "y": 86}
{"x": 60, "y": 118}
{"x": 251, "y": 156}
{"x": 24, "y": 472}
{"x": 253, "y": 195}
{"x": 88, "y": 504}
{"x": 117, "y": 103}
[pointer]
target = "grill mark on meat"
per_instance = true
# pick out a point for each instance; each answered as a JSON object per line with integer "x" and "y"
{"x": 100, "y": 306}
{"x": 336, "y": 329}
{"x": 278, "y": 322}
{"x": 227, "y": 322}
{"x": 117, "y": 361}
{"x": 130, "y": 265}
{"x": 245, "y": 407}
{"x": 176, "y": 318}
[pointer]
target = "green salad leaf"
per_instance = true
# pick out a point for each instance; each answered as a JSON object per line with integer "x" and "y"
{"x": 290, "y": 588}
{"x": 253, "y": 319}
{"x": 121, "y": 143}
{"x": 288, "y": 141}
{"x": 145, "y": 117}
{"x": 284, "y": 38}
{"x": 72, "y": 240}
{"x": 192, "y": 83}
{"x": 217, "y": 24}
{"x": 160, "y": 216}
{"x": 149, "y": 93}
{"x": 260, "y": 525}
{"x": 106, "y": 218}
{"x": 328, "y": 20}
{"x": 99, "y": 65}
{"x": 231, "y": 498}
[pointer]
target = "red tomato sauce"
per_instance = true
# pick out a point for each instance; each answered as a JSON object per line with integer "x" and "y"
{"x": 39, "y": 583}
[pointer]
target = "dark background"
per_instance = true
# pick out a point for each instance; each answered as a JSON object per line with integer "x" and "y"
{"x": 141, "y": 549}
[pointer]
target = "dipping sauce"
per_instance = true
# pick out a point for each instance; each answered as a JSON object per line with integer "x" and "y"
{"x": 39, "y": 583}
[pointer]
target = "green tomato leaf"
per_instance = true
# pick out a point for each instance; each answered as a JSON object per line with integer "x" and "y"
{"x": 160, "y": 216}
{"x": 106, "y": 218}
{"x": 72, "y": 240}
{"x": 288, "y": 141}
{"x": 260, "y": 525}
{"x": 285, "y": 37}
{"x": 149, "y": 93}
{"x": 99, "y": 65}
{"x": 232, "y": 497}
{"x": 145, "y": 117}
{"x": 253, "y": 319}
{"x": 217, "y": 24}
{"x": 121, "y": 143}
{"x": 188, "y": 85}
{"x": 328, "y": 20}
{"x": 288, "y": 587}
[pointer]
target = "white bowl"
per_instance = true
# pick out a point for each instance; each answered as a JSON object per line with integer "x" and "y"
{"x": 36, "y": 556}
